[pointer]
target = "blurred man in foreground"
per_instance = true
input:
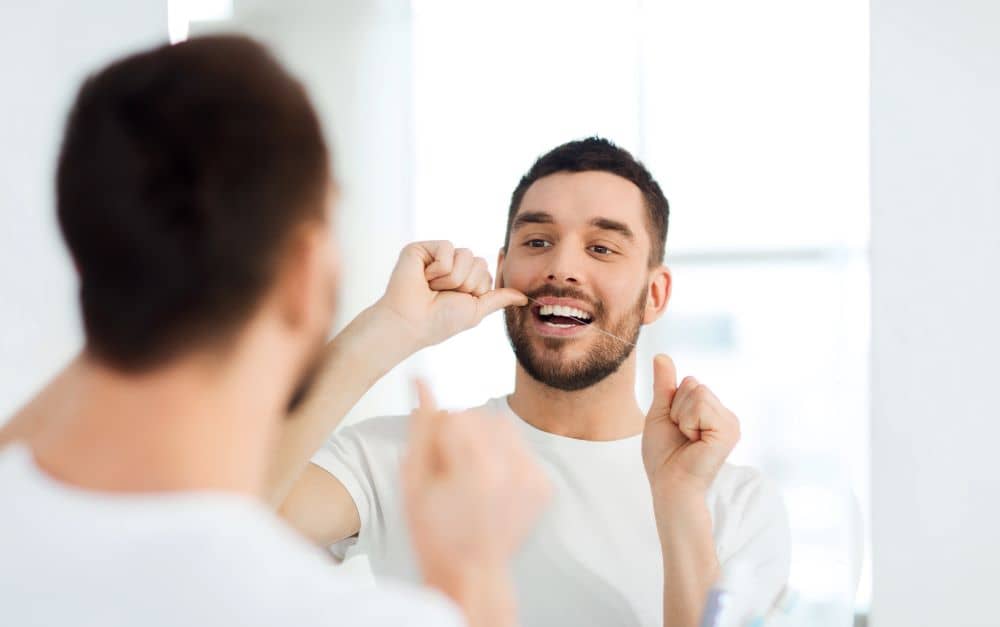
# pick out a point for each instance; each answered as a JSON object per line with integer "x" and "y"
{"x": 194, "y": 194}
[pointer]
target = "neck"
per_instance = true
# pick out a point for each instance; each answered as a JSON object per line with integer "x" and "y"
{"x": 199, "y": 424}
{"x": 607, "y": 410}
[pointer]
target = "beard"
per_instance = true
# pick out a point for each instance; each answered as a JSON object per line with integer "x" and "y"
{"x": 305, "y": 381}
{"x": 313, "y": 364}
{"x": 548, "y": 363}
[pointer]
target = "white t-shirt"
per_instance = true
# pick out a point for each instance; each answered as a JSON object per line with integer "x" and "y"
{"x": 595, "y": 557}
{"x": 73, "y": 558}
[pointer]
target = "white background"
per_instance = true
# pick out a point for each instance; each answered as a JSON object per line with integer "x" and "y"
{"x": 754, "y": 117}
{"x": 935, "y": 258}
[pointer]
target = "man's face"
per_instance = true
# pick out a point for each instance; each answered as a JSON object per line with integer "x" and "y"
{"x": 579, "y": 241}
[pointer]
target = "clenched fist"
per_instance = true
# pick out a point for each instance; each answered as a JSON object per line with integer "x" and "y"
{"x": 688, "y": 433}
{"x": 437, "y": 291}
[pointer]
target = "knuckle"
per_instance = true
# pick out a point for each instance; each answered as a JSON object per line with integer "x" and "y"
{"x": 410, "y": 249}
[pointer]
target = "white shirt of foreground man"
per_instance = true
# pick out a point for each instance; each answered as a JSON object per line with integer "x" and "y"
{"x": 78, "y": 557}
{"x": 208, "y": 272}
{"x": 595, "y": 557}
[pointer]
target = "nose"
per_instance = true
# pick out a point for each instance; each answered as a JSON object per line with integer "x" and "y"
{"x": 560, "y": 270}
{"x": 562, "y": 277}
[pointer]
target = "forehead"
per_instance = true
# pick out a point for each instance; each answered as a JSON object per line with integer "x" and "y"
{"x": 576, "y": 198}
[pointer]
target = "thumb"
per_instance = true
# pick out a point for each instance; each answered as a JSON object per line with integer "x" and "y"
{"x": 500, "y": 298}
{"x": 664, "y": 386}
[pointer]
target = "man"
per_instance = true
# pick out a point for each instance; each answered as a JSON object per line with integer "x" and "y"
{"x": 646, "y": 516}
{"x": 193, "y": 194}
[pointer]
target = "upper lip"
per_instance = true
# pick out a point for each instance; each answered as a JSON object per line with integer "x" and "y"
{"x": 563, "y": 302}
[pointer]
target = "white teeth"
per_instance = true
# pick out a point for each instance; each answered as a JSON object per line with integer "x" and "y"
{"x": 565, "y": 312}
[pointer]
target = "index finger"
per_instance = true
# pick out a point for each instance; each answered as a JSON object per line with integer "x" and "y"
{"x": 425, "y": 397}
{"x": 420, "y": 458}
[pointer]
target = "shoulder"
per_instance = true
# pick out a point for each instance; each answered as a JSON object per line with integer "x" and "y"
{"x": 749, "y": 517}
{"x": 741, "y": 493}
{"x": 272, "y": 576}
{"x": 742, "y": 483}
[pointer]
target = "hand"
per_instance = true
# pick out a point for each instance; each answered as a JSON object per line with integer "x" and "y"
{"x": 472, "y": 493}
{"x": 688, "y": 433}
{"x": 437, "y": 291}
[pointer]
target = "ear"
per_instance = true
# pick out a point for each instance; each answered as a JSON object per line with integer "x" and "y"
{"x": 657, "y": 294}
{"x": 498, "y": 280}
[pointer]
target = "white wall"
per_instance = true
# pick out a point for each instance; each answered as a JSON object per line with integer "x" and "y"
{"x": 936, "y": 311}
{"x": 48, "y": 46}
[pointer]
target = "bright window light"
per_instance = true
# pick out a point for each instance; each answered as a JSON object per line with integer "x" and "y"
{"x": 180, "y": 14}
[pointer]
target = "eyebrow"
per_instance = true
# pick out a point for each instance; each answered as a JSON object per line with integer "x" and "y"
{"x": 543, "y": 217}
{"x": 531, "y": 217}
{"x": 613, "y": 225}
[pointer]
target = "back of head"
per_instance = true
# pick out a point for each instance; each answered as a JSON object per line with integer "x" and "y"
{"x": 183, "y": 171}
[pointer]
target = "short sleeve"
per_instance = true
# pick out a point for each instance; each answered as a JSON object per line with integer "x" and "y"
{"x": 755, "y": 546}
{"x": 343, "y": 457}
{"x": 364, "y": 457}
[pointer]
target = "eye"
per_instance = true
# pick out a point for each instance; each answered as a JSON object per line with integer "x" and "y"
{"x": 537, "y": 243}
{"x": 601, "y": 250}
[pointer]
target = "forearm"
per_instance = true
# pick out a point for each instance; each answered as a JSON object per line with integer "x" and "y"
{"x": 690, "y": 564}
{"x": 368, "y": 348}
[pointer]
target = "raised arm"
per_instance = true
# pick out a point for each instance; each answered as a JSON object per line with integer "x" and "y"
{"x": 687, "y": 437}
{"x": 435, "y": 292}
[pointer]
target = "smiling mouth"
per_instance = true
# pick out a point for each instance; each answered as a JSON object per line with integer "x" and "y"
{"x": 562, "y": 317}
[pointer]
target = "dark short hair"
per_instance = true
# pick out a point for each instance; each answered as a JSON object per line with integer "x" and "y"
{"x": 598, "y": 154}
{"x": 183, "y": 170}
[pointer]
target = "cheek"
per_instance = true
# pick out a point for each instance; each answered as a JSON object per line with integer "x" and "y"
{"x": 623, "y": 296}
{"x": 521, "y": 274}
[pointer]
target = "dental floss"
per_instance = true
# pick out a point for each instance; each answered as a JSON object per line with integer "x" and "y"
{"x": 592, "y": 325}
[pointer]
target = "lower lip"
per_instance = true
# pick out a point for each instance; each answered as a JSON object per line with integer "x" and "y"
{"x": 548, "y": 330}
